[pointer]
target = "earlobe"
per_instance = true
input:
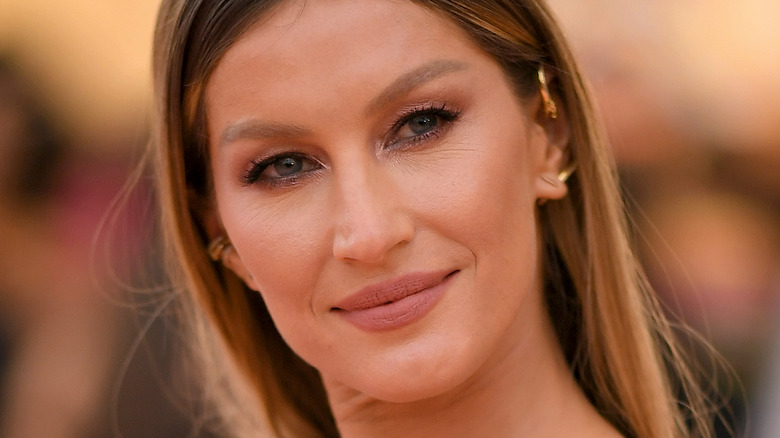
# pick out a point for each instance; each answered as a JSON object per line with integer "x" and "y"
{"x": 221, "y": 250}
{"x": 550, "y": 186}
{"x": 555, "y": 186}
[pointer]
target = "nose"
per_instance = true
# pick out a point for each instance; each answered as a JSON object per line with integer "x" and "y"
{"x": 371, "y": 218}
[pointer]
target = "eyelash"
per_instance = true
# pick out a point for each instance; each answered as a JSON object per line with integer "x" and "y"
{"x": 440, "y": 112}
{"x": 254, "y": 173}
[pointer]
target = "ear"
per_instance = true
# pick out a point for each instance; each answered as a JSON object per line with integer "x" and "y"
{"x": 229, "y": 256}
{"x": 553, "y": 152}
{"x": 232, "y": 260}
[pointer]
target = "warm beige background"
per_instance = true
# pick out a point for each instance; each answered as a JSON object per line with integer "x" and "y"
{"x": 715, "y": 63}
{"x": 89, "y": 58}
{"x": 690, "y": 92}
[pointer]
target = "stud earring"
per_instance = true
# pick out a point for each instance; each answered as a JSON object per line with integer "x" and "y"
{"x": 550, "y": 108}
{"x": 218, "y": 247}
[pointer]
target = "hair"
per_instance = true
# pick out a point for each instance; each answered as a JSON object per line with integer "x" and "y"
{"x": 617, "y": 343}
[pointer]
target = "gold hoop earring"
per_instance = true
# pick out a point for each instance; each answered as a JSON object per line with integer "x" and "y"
{"x": 561, "y": 178}
{"x": 550, "y": 108}
{"x": 218, "y": 247}
{"x": 566, "y": 173}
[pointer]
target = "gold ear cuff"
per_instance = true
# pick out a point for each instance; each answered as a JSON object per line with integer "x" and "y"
{"x": 550, "y": 108}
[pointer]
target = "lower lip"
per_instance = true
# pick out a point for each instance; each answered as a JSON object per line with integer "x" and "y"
{"x": 399, "y": 313}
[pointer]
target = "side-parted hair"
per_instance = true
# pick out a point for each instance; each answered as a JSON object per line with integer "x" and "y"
{"x": 618, "y": 345}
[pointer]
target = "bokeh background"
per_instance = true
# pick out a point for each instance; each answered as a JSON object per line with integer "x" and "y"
{"x": 690, "y": 95}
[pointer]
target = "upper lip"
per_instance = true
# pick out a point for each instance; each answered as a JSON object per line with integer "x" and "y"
{"x": 392, "y": 290}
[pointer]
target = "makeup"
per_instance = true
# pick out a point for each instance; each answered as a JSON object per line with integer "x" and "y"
{"x": 395, "y": 303}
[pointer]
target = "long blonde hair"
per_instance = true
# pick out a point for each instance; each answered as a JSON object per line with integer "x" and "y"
{"x": 618, "y": 345}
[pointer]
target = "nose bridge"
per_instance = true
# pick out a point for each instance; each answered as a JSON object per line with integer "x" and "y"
{"x": 370, "y": 216}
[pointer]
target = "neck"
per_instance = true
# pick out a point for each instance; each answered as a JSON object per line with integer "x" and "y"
{"x": 512, "y": 395}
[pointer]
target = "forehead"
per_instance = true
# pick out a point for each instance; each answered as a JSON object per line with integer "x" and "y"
{"x": 336, "y": 45}
{"x": 316, "y": 27}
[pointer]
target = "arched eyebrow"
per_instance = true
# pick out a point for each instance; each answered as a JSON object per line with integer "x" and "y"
{"x": 257, "y": 129}
{"x": 405, "y": 83}
{"x": 413, "y": 79}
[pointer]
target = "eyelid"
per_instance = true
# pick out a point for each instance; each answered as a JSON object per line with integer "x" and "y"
{"x": 406, "y": 112}
{"x": 446, "y": 114}
{"x": 252, "y": 174}
{"x": 442, "y": 111}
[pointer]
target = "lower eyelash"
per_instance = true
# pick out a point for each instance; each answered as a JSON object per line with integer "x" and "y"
{"x": 258, "y": 166}
{"x": 281, "y": 183}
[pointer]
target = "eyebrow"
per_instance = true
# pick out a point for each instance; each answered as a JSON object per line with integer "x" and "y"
{"x": 413, "y": 79}
{"x": 256, "y": 129}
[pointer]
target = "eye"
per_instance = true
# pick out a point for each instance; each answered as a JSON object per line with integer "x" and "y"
{"x": 280, "y": 170}
{"x": 420, "y": 124}
{"x": 287, "y": 166}
{"x": 423, "y": 123}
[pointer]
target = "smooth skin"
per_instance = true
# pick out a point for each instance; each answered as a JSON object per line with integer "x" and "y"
{"x": 355, "y": 142}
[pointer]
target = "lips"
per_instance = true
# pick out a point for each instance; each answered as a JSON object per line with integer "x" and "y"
{"x": 396, "y": 302}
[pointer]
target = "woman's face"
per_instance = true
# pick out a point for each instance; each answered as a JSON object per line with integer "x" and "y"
{"x": 378, "y": 178}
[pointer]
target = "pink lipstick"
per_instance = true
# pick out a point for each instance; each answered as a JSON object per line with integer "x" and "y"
{"x": 394, "y": 303}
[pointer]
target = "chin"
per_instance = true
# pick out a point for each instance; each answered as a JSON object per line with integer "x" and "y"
{"x": 417, "y": 377}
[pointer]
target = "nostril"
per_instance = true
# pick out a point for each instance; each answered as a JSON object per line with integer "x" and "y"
{"x": 370, "y": 218}
{"x": 371, "y": 239}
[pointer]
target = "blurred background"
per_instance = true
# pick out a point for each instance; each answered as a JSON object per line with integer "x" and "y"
{"x": 689, "y": 92}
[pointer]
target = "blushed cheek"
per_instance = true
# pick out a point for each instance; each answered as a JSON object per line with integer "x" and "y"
{"x": 286, "y": 284}
{"x": 283, "y": 261}
{"x": 483, "y": 197}
{"x": 283, "y": 250}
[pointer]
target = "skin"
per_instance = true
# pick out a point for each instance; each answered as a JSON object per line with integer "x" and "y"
{"x": 375, "y": 201}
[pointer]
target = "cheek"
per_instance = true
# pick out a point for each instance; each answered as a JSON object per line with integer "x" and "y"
{"x": 486, "y": 204}
{"x": 282, "y": 247}
{"x": 485, "y": 196}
